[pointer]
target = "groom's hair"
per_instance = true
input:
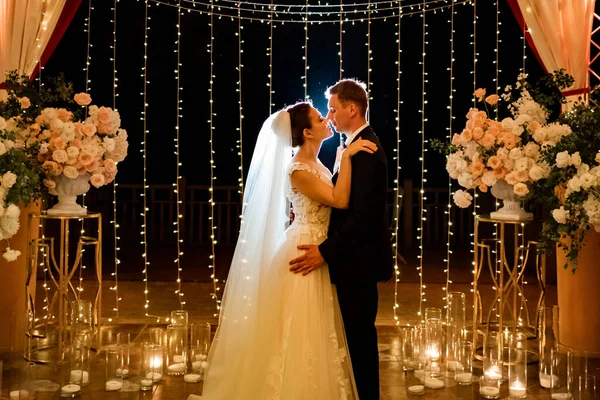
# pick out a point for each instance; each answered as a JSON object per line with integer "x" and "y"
{"x": 350, "y": 91}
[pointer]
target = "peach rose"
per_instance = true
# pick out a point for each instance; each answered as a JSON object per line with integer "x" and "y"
{"x": 110, "y": 165}
{"x": 75, "y": 143}
{"x": 49, "y": 183}
{"x": 477, "y": 133}
{"x": 88, "y": 129}
{"x": 510, "y": 140}
{"x": 58, "y": 143}
{"x": 64, "y": 115}
{"x": 483, "y": 188}
{"x": 476, "y": 168}
{"x": 522, "y": 176}
{"x": 52, "y": 166}
{"x": 470, "y": 124}
{"x": 493, "y": 130}
{"x": 97, "y": 180}
{"x": 60, "y": 156}
{"x": 494, "y": 162}
{"x": 86, "y": 158}
{"x": 487, "y": 141}
{"x": 92, "y": 167}
{"x": 456, "y": 139}
{"x": 511, "y": 178}
{"x": 70, "y": 172}
{"x": 500, "y": 173}
{"x": 104, "y": 115}
{"x": 520, "y": 189}
{"x": 466, "y": 135}
{"x": 83, "y": 99}
{"x": 492, "y": 99}
{"x": 25, "y": 102}
{"x": 479, "y": 94}
{"x": 472, "y": 112}
{"x": 533, "y": 126}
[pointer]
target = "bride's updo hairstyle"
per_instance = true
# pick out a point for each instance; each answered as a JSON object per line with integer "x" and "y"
{"x": 300, "y": 120}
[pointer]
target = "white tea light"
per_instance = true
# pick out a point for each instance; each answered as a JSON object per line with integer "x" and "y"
{"x": 200, "y": 357}
{"x": 70, "y": 389}
{"x": 191, "y": 378}
{"x": 489, "y": 391}
{"x": 561, "y": 396}
{"x": 112, "y": 386}
{"x": 517, "y": 391}
{"x": 464, "y": 377}
{"x": 454, "y": 366}
{"x": 79, "y": 376}
{"x": 547, "y": 382}
{"x": 146, "y": 382}
{"x": 196, "y": 365}
{"x": 433, "y": 383}
{"x": 177, "y": 367}
{"x": 19, "y": 395}
{"x": 416, "y": 389}
{"x": 122, "y": 372}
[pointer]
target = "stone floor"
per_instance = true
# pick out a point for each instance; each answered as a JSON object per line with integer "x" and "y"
{"x": 394, "y": 381}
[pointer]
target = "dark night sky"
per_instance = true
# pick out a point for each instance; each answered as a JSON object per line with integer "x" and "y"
{"x": 288, "y": 67}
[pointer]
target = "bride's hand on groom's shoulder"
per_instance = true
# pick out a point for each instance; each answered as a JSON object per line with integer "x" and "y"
{"x": 360, "y": 145}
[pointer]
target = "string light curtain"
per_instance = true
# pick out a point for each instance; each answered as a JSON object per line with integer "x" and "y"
{"x": 559, "y": 34}
{"x": 397, "y": 190}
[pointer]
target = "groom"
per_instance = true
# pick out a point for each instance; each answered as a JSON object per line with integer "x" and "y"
{"x": 358, "y": 248}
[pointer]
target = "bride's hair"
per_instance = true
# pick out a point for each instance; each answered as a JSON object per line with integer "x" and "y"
{"x": 300, "y": 120}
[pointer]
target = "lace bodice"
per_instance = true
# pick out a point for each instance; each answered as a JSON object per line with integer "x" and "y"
{"x": 309, "y": 214}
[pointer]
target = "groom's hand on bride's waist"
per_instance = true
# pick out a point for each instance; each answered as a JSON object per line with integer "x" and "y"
{"x": 307, "y": 262}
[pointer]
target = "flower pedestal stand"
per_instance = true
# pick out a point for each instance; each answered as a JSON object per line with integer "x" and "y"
{"x": 579, "y": 296}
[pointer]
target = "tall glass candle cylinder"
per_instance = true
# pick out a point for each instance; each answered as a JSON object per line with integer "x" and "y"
{"x": 559, "y": 367}
{"x": 154, "y": 336}
{"x": 464, "y": 369}
{"x": 200, "y": 343}
{"x": 407, "y": 347}
{"x": 80, "y": 372}
{"x": 179, "y": 318}
{"x": 586, "y": 390}
{"x": 82, "y": 316}
{"x": 114, "y": 362}
{"x": 433, "y": 341}
{"x": 71, "y": 373}
{"x": 21, "y": 381}
{"x": 177, "y": 341}
{"x": 492, "y": 366}
{"x": 123, "y": 342}
{"x": 548, "y": 333}
{"x": 152, "y": 365}
{"x": 517, "y": 366}
{"x": 455, "y": 329}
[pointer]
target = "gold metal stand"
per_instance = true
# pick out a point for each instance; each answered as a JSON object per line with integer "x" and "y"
{"x": 507, "y": 277}
{"x": 54, "y": 329}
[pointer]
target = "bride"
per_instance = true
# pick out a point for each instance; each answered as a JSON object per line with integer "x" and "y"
{"x": 280, "y": 335}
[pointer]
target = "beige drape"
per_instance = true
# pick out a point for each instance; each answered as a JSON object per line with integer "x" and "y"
{"x": 25, "y": 29}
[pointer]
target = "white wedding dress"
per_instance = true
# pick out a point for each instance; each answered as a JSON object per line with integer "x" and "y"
{"x": 296, "y": 348}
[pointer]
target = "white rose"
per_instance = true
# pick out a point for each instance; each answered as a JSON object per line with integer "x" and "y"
{"x": 70, "y": 172}
{"x": 12, "y": 211}
{"x": 11, "y": 125}
{"x": 587, "y": 180}
{"x": 520, "y": 189}
{"x": 560, "y": 215}
{"x": 515, "y": 153}
{"x": 489, "y": 178}
{"x": 503, "y": 153}
{"x": 509, "y": 164}
{"x": 531, "y": 150}
{"x": 574, "y": 185}
{"x": 60, "y": 156}
{"x": 109, "y": 144}
{"x": 50, "y": 113}
{"x": 9, "y": 226}
{"x": 461, "y": 165}
{"x": 563, "y": 159}
{"x": 595, "y": 171}
{"x": 576, "y": 159}
{"x": 72, "y": 151}
{"x": 583, "y": 168}
{"x": 9, "y": 179}
{"x": 10, "y": 254}
{"x": 68, "y": 127}
{"x": 2, "y": 123}
{"x": 465, "y": 180}
{"x": 536, "y": 173}
{"x": 57, "y": 125}
{"x": 67, "y": 136}
{"x": 2, "y": 148}
{"x": 523, "y": 164}
{"x": 597, "y": 159}
{"x": 44, "y": 148}
{"x": 93, "y": 110}
{"x": 462, "y": 199}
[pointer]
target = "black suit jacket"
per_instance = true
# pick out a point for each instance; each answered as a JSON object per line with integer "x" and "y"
{"x": 358, "y": 247}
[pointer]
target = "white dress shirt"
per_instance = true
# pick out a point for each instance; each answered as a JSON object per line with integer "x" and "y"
{"x": 351, "y": 137}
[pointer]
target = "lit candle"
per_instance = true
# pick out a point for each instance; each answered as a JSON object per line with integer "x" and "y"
{"x": 80, "y": 377}
{"x": 177, "y": 367}
{"x": 561, "y": 396}
{"x": 122, "y": 372}
{"x": 489, "y": 391}
{"x": 517, "y": 389}
{"x": 493, "y": 374}
{"x": 416, "y": 389}
{"x": 146, "y": 382}
{"x": 156, "y": 362}
{"x": 433, "y": 383}
{"x": 191, "y": 378}
{"x": 19, "y": 394}
{"x": 70, "y": 389}
{"x": 454, "y": 366}
{"x": 177, "y": 358}
{"x": 112, "y": 386}
{"x": 548, "y": 382}
{"x": 155, "y": 376}
{"x": 464, "y": 377}
{"x": 200, "y": 357}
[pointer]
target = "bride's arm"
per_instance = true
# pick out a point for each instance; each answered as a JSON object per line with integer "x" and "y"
{"x": 338, "y": 196}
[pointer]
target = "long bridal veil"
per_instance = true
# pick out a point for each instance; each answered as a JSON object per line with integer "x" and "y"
{"x": 264, "y": 218}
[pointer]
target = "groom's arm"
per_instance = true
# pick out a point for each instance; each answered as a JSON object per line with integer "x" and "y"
{"x": 368, "y": 199}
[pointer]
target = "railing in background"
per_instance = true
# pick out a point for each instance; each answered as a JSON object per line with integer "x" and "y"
{"x": 195, "y": 225}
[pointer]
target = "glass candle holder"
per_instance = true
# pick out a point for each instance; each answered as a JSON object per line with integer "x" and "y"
{"x": 22, "y": 378}
{"x": 114, "y": 362}
{"x": 548, "y": 340}
{"x": 586, "y": 390}
{"x": 123, "y": 342}
{"x": 176, "y": 345}
{"x": 152, "y": 365}
{"x": 81, "y": 316}
{"x": 71, "y": 372}
{"x": 407, "y": 347}
{"x": 433, "y": 341}
{"x": 464, "y": 368}
{"x": 492, "y": 366}
{"x": 559, "y": 368}
{"x": 455, "y": 329}
{"x": 179, "y": 318}
{"x": 577, "y": 367}
{"x": 517, "y": 366}
{"x": 199, "y": 346}
{"x": 154, "y": 336}
{"x": 80, "y": 372}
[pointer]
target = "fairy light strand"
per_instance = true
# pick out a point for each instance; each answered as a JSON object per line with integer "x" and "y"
{"x": 212, "y": 166}
{"x": 341, "y": 40}
{"x": 422, "y": 197}
{"x": 397, "y": 189}
{"x": 177, "y": 183}
{"x": 144, "y": 152}
{"x": 241, "y": 109}
{"x": 305, "y": 56}
{"x": 450, "y": 130}
{"x": 270, "y": 54}
{"x": 369, "y": 59}
{"x": 114, "y": 223}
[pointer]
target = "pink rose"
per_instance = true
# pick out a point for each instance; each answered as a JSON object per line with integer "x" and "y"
{"x": 25, "y": 102}
{"x": 83, "y": 99}
{"x": 110, "y": 165}
{"x": 479, "y": 94}
{"x": 50, "y": 184}
{"x": 494, "y": 162}
{"x": 492, "y": 99}
{"x": 86, "y": 158}
{"x": 520, "y": 189}
{"x": 477, "y": 133}
{"x": 88, "y": 129}
{"x": 97, "y": 180}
